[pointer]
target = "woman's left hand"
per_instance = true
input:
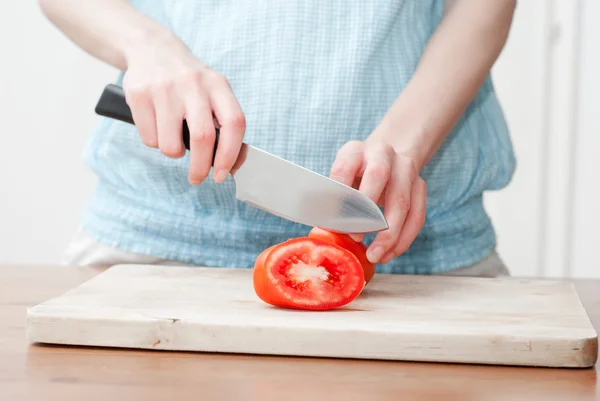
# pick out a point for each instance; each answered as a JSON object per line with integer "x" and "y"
{"x": 386, "y": 166}
{"x": 392, "y": 180}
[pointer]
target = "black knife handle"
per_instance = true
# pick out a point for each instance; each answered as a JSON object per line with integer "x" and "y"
{"x": 112, "y": 104}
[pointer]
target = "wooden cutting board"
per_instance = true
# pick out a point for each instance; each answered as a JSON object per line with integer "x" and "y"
{"x": 503, "y": 321}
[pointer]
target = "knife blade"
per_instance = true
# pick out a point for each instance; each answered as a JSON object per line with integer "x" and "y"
{"x": 278, "y": 186}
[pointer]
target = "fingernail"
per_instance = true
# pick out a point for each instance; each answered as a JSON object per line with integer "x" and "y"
{"x": 356, "y": 237}
{"x": 374, "y": 254}
{"x": 388, "y": 256}
{"x": 193, "y": 180}
{"x": 221, "y": 175}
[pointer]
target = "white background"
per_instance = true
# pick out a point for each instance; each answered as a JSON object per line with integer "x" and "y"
{"x": 546, "y": 219}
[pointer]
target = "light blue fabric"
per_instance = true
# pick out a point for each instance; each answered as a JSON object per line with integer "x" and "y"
{"x": 310, "y": 75}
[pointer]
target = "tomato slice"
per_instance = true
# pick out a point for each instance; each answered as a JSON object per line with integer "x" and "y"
{"x": 357, "y": 248}
{"x": 260, "y": 260}
{"x": 307, "y": 273}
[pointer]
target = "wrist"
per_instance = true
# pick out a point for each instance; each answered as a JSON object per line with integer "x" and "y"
{"x": 406, "y": 135}
{"x": 144, "y": 42}
{"x": 417, "y": 123}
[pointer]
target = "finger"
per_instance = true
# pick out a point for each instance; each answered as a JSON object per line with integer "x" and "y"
{"x": 347, "y": 167}
{"x": 377, "y": 172}
{"x": 169, "y": 121}
{"x": 348, "y": 163}
{"x": 397, "y": 206}
{"x": 414, "y": 220}
{"x": 144, "y": 116}
{"x": 233, "y": 127}
{"x": 202, "y": 136}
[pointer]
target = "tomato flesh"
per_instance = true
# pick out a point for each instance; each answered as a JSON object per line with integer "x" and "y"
{"x": 357, "y": 248}
{"x": 308, "y": 273}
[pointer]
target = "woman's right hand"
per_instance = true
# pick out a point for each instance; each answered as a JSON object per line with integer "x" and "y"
{"x": 164, "y": 84}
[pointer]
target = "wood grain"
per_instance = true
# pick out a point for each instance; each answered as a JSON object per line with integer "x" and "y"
{"x": 74, "y": 373}
{"x": 412, "y": 318}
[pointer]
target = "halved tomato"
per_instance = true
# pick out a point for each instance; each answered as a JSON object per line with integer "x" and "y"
{"x": 357, "y": 248}
{"x": 307, "y": 273}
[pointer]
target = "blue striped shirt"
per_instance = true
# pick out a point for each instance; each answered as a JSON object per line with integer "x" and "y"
{"x": 310, "y": 75}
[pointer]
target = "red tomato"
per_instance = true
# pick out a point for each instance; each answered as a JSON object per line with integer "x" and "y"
{"x": 357, "y": 248}
{"x": 260, "y": 260}
{"x": 307, "y": 273}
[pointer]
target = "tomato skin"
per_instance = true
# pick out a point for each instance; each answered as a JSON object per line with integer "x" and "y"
{"x": 260, "y": 260}
{"x": 357, "y": 248}
{"x": 307, "y": 273}
{"x": 261, "y": 282}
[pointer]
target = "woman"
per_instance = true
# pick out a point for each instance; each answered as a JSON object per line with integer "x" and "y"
{"x": 388, "y": 94}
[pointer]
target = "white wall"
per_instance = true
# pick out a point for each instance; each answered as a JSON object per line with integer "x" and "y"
{"x": 544, "y": 218}
{"x": 520, "y": 82}
{"x": 586, "y": 206}
{"x": 48, "y": 90}
{"x": 547, "y": 216}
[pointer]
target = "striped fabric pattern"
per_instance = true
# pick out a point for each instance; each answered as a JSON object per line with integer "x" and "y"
{"x": 310, "y": 75}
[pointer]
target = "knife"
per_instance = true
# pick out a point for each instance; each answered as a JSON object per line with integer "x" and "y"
{"x": 278, "y": 186}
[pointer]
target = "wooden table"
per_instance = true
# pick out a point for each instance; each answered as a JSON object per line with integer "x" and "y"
{"x": 29, "y": 372}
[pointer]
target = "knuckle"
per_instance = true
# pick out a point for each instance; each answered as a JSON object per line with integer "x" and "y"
{"x": 172, "y": 150}
{"x": 407, "y": 164}
{"x": 238, "y": 121}
{"x": 192, "y": 76}
{"x": 352, "y": 147}
{"x": 383, "y": 148}
{"x": 136, "y": 94}
{"x": 191, "y": 81}
{"x": 130, "y": 83}
{"x": 215, "y": 80}
{"x": 340, "y": 169}
{"x": 220, "y": 80}
{"x": 379, "y": 169}
{"x": 163, "y": 87}
{"x": 204, "y": 135}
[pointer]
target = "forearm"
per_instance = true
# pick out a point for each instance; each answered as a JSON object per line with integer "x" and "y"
{"x": 453, "y": 67}
{"x": 106, "y": 29}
